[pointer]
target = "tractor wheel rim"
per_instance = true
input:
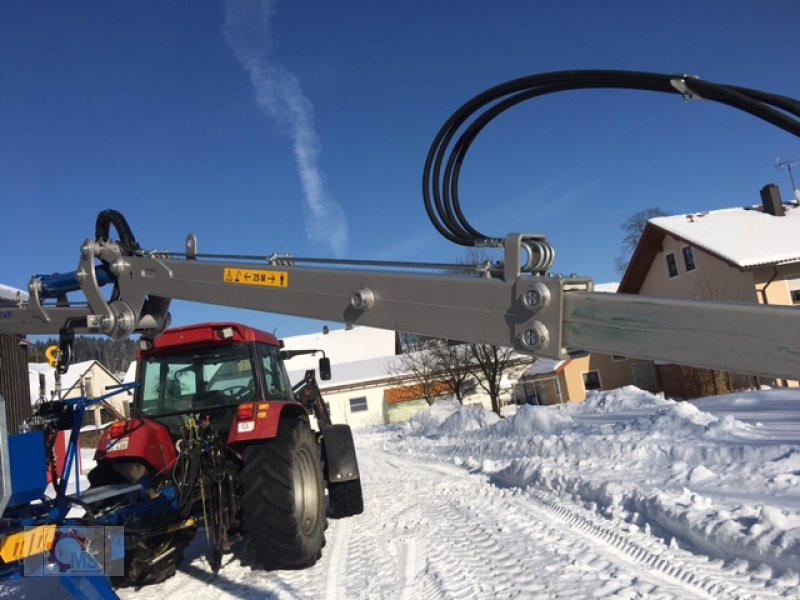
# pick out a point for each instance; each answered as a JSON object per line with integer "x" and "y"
{"x": 306, "y": 493}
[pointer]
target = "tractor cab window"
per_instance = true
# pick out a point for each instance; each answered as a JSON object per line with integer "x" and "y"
{"x": 277, "y": 384}
{"x": 190, "y": 382}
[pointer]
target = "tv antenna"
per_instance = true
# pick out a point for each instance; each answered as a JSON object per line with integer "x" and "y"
{"x": 788, "y": 164}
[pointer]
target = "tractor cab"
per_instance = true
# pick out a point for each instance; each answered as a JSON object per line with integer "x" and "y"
{"x": 209, "y": 369}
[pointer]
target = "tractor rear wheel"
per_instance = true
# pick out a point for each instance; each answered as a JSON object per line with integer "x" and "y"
{"x": 283, "y": 498}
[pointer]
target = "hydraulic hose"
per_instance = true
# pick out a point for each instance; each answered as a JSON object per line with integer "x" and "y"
{"x": 442, "y": 170}
{"x": 102, "y": 230}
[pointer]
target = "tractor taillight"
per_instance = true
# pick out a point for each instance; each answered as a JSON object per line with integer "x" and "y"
{"x": 118, "y": 429}
{"x": 246, "y": 411}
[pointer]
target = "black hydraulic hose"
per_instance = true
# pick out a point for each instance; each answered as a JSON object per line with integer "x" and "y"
{"x": 441, "y": 172}
{"x": 102, "y": 230}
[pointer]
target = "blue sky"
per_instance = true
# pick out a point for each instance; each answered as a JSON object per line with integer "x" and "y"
{"x": 303, "y": 128}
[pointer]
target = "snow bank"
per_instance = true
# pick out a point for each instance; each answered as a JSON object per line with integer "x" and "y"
{"x": 719, "y": 476}
{"x": 448, "y": 417}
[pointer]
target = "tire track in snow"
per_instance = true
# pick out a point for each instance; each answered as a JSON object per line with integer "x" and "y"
{"x": 337, "y": 558}
{"x": 432, "y": 530}
{"x": 668, "y": 569}
{"x": 665, "y": 564}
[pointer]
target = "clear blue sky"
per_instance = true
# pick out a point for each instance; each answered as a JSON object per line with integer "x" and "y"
{"x": 150, "y": 108}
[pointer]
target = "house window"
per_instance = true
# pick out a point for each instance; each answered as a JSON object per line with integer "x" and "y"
{"x": 794, "y": 289}
{"x": 618, "y": 358}
{"x": 358, "y": 404}
{"x": 672, "y": 265}
{"x": 591, "y": 380}
{"x": 688, "y": 258}
{"x": 468, "y": 387}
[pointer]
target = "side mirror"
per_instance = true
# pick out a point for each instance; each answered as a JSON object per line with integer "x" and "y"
{"x": 325, "y": 368}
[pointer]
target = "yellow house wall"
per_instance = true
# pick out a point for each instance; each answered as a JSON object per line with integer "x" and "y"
{"x": 613, "y": 374}
{"x": 777, "y": 291}
{"x": 95, "y": 382}
{"x": 712, "y": 279}
{"x": 572, "y": 389}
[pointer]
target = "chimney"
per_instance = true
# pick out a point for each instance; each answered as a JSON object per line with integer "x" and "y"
{"x": 771, "y": 199}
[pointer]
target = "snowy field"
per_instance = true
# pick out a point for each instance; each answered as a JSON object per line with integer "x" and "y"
{"x": 626, "y": 496}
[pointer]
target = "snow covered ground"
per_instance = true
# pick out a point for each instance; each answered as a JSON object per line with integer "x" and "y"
{"x": 626, "y": 496}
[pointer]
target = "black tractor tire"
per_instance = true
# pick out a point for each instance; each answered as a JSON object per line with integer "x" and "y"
{"x": 346, "y": 499}
{"x": 153, "y": 561}
{"x": 283, "y": 498}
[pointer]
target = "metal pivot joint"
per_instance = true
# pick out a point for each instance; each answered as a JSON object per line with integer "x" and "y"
{"x": 362, "y": 299}
{"x": 538, "y": 316}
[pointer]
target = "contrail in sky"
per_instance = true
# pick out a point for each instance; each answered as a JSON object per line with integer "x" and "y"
{"x": 279, "y": 95}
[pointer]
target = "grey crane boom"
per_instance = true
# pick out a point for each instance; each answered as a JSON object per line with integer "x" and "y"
{"x": 547, "y": 316}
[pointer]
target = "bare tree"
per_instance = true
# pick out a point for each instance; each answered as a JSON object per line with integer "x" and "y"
{"x": 454, "y": 362}
{"x": 417, "y": 363}
{"x": 492, "y": 362}
{"x": 633, "y": 228}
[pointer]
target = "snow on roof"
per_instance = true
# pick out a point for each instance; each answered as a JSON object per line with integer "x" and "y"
{"x": 68, "y": 379}
{"x": 130, "y": 374}
{"x": 341, "y": 346}
{"x": 544, "y": 366}
{"x": 746, "y": 237}
{"x": 610, "y": 287}
{"x": 8, "y": 295}
{"x": 359, "y": 371}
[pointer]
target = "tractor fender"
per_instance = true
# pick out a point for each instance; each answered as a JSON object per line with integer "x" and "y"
{"x": 339, "y": 452}
{"x": 142, "y": 439}
{"x": 264, "y": 422}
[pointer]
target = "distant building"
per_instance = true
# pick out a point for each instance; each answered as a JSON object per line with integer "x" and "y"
{"x": 368, "y": 385}
{"x": 550, "y": 381}
{"x": 749, "y": 254}
{"x": 89, "y": 378}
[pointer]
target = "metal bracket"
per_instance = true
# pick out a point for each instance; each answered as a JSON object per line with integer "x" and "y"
{"x": 103, "y": 318}
{"x": 191, "y": 246}
{"x": 35, "y": 301}
{"x": 539, "y": 255}
{"x": 679, "y": 83}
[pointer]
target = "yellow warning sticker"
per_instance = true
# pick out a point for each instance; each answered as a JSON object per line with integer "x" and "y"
{"x": 256, "y": 277}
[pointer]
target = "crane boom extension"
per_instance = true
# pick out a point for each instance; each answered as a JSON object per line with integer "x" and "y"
{"x": 541, "y": 315}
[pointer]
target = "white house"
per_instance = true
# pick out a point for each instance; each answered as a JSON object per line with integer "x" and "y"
{"x": 362, "y": 359}
{"x": 369, "y": 385}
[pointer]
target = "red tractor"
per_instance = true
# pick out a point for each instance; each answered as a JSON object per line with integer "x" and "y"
{"x": 220, "y": 438}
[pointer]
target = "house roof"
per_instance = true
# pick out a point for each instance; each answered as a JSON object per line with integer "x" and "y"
{"x": 351, "y": 373}
{"x": 8, "y": 295}
{"x": 745, "y": 238}
{"x": 545, "y": 366}
{"x": 610, "y": 287}
{"x": 416, "y": 392}
{"x": 341, "y": 346}
{"x": 68, "y": 379}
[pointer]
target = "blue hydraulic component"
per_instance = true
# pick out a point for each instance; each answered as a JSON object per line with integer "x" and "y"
{"x": 81, "y": 404}
{"x": 58, "y": 284}
{"x": 23, "y": 479}
{"x": 89, "y": 587}
{"x": 27, "y": 461}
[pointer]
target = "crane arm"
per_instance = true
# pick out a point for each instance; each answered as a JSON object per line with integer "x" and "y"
{"x": 547, "y": 316}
